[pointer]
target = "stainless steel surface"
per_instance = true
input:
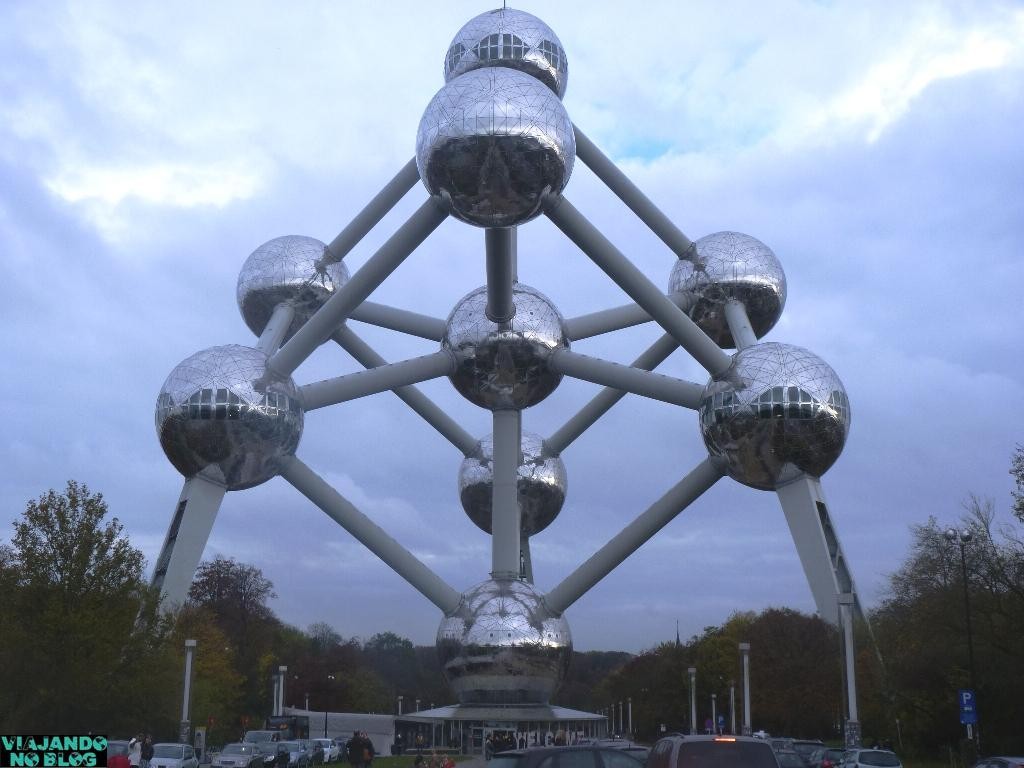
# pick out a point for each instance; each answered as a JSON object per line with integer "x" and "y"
{"x": 493, "y": 142}
{"x": 646, "y": 383}
{"x": 731, "y": 265}
{"x": 502, "y": 645}
{"x": 778, "y": 411}
{"x": 509, "y": 38}
{"x": 293, "y": 269}
{"x": 222, "y": 412}
{"x": 505, "y": 366}
{"x": 541, "y": 485}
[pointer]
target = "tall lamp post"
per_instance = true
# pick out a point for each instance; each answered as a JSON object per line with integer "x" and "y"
{"x": 693, "y": 700}
{"x": 955, "y": 536}
{"x": 745, "y": 652}
{"x": 330, "y": 679}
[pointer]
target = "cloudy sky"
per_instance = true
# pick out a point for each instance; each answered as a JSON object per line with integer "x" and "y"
{"x": 147, "y": 148}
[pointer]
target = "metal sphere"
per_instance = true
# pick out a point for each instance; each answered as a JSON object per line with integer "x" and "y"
{"x": 778, "y": 411}
{"x": 293, "y": 269}
{"x": 509, "y": 38}
{"x": 731, "y": 265}
{"x": 494, "y": 142}
{"x": 505, "y": 366}
{"x": 541, "y": 484}
{"x": 502, "y": 645}
{"x": 222, "y": 412}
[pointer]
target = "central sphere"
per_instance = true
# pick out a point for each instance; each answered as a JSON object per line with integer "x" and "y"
{"x": 731, "y": 266}
{"x": 222, "y": 412}
{"x": 505, "y": 366}
{"x": 777, "y": 412}
{"x": 541, "y": 484}
{"x": 509, "y": 38}
{"x": 494, "y": 142}
{"x": 293, "y": 269}
{"x": 502, "y": 645}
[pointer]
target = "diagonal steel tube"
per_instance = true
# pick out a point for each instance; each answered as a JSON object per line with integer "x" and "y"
{"x": 375, "y": 210}
{"x": 614, "y": 319}
{"x": 603, "y": 401}
{"x": 368, "y": 357}
{"x": 401, "y": 320}
{"x": 276, "y": 328}
{"x": 386, "y": 260}
{"x": 633, "y": 536}
{"x": 743, "y": 335}
{"x": 620, "y": 269}
{"x": 654, "y": 385}
{"x": 631, "y": 195}
{"x": 372, "y": 536}
{"x": 374, "y": 380}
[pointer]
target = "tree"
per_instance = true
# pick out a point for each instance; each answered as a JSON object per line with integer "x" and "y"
{"x": 80, "y": 625}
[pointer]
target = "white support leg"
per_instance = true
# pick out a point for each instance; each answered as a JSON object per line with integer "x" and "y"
{"x": 186, "y": 539}
{"x": 505, "y": 517}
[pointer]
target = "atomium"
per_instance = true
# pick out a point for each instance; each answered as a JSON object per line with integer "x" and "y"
{"x": 501, "y": 645}
{"x": 294, "y": 270}
{"x": 731, "y": 266}
{"x": 541, "y": 484}
{"x": 493, "y": 142}
{"x": 779, "y": 411}
{"x": 509, "y": 38}
{"x": 223, "y": 413}
{"x": 505, "y": 366}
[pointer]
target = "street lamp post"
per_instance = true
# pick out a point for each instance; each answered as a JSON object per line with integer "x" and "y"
{"x": 714, "y": 712}
{"x": 330, "y": 678}
{"x": 400, "y": 705}
{"x": 693, "y": 700}
{"x": 186, "y": 725}
{"x": 629, "y": 706}
{"x": 963, "y": 538}
{"x": 745, "y": 651}
{"x": 732, "y": 707}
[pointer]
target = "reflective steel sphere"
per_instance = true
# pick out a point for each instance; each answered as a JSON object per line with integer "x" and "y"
{"x": 542, "y": 484}
{"x": 503, "y": 367}
{"x": 224, "y": 413}
{"x": 509, "y": 38}
{"x": 493, "y": 142}
{"x": 503, "y": 646}
{"x": 293, "y": 269}
{"x": 777, "y": 411}
{"x": 731, "y": 265}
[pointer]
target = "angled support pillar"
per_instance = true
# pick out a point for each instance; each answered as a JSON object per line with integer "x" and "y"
{"x": 628, "y": 378}
{"x": 401, "y": 320}
{"x": 186, "y": 539}
{"x": 505, "y": 523}
{"x": 374, "y": 380}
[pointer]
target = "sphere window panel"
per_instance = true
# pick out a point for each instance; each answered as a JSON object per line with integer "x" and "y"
{"x": 455, "y": 54}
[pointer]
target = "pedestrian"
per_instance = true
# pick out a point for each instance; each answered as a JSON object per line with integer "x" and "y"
{"x": 488, "y": 747}
{"x": 146, "y": 752}
{"x": 354, "y": 750}
{"x": 283, "y": 757}
{"x": 135, "y": 751}
{"x": 368, "y": 750}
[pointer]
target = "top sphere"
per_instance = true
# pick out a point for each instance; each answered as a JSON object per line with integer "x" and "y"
{"x": 509, "y": 38}
{"x": 494, "y": 142}
{"x": 293, "y": 269}
{"x": 224, "y": 413}
{"x": 731, "y": 265}
{"x": 777, "y": 412}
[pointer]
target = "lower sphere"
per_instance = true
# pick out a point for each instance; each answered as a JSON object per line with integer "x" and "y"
{"x": 502, "y": 645}
{"x": 222, "y": 412}
{"x": 541, "y": 484}
{"x": 777, "y": 412}
{"x": 505, "y": 366}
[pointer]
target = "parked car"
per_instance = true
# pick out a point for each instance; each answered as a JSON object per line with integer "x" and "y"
{"x": 712, "y": 752}
{"x": 298, "y": 756}
{"x": 331, "y": 749}
{"x": 585, "y": 756}
{"x": 240, "y": 755}
{"x": 260, "y": 737}
{"x": 789, "y": 758}
{"x": 169, "y": 755}
{"x": 870, "y": 758}
{"x": 781, "y": 744}
{"x": 806, "y": 747}
{"x": 826, "y": 757}
{"x": 315, "y": 750}
{"x": 1000, "y": 762}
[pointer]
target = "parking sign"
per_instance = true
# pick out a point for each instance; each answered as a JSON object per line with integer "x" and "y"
{"x": 968, "y": 707}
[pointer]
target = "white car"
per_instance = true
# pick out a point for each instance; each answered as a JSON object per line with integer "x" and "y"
{"x": 332, "y": 751}
{"x": 169, "y": 755}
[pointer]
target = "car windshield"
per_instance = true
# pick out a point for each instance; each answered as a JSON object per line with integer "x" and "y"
{"x": 238, "y": 749}
{"x": 258, "y": 736}
{"x": 881, "y": 759}
{"x": 790, "y": 760}
{"x": 291, "y": 746}
{"x": 168, "y": 750}
{"x": 725, "y": 754}
{"x": 504, "y": 761}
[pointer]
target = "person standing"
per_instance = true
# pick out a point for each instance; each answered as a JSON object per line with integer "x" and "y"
{"x": 135, "y": 751}
{"x": 354, "y": 750}
{"x": 146, "y": 753}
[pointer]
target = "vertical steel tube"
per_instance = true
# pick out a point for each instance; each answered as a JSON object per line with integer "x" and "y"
{"x": 745, "y": 650}
{"x": 739, "y": 324}
{"x": 276, "y": 328}
{"x": 505, "y": 525}
{"x": 500, "y": 274}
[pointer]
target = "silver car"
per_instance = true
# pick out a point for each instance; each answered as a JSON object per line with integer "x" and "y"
{"x": 170, "y": 755}
{"x": 870, "y": 758}
{"x": 239, "y": 755}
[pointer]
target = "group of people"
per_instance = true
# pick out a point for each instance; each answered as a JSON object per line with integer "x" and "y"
{"x": 499, "y": 741}
{"x": 140, "y": 752}
{"x": 434, "y": 761}
{"x": 359, "y": 750}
